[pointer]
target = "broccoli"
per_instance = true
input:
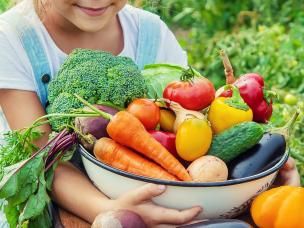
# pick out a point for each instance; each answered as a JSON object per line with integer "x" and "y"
{"x": 95, "y": 76}
{"x": 81, "y": 79}
{"x": 80, "y": 56}
{"x": 124, "y": 84}
{"x": 64, "y": 103}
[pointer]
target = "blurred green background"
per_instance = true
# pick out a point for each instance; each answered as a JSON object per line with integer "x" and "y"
{"x": 264, "y": 36}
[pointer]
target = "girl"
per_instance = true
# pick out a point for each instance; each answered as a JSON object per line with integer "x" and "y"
{"x": 35, "y": 38}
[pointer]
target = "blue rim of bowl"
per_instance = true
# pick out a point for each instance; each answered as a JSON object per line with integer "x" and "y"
{"x": 265, "y": 173}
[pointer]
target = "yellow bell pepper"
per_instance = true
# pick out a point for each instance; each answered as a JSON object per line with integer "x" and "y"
{"x": 226, "y": 112}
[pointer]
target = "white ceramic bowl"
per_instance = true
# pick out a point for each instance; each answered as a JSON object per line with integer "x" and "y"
{"x": 219, "y": 199}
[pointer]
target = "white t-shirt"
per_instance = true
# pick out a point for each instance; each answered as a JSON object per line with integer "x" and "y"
{"x": 16, "y": 71}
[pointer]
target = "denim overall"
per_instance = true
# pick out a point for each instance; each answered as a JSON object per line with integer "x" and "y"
{"x": 147, "y": 48}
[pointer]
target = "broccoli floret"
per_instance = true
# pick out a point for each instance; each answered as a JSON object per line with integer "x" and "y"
{"x": 125, "y": 83}
{"x": 80, "y": 56}
{"x": 95, "y": 76}
{"x": 81, "y": 79}
{"x": 79, "y": 74}
{"x": 64, "y": 103}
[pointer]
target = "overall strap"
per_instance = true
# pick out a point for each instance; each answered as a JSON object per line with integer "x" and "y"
{"x": 148, "y": 38}
{"x": 34, "y": 50}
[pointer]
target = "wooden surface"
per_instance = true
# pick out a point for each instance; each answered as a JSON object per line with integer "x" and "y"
{"x": 69, "y": 220}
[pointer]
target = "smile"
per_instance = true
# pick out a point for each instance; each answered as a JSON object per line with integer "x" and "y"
{"x": 92, "y": 11}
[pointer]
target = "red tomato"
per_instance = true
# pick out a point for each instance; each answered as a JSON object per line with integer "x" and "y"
{"x": 146, "y": 111}
{"x": 194, "y": 95}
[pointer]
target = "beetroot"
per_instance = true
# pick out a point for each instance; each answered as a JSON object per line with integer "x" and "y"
{"x": 94, "y": 127}
{"x": 119, "y": 219}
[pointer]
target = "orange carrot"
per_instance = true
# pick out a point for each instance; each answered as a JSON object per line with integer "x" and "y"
{"x": 127, "y": 130}
{"x": 120, "y": 157}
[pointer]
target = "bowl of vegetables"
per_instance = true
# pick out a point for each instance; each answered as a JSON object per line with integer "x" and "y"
{"x": 239, "y": 163}
{"x": 213, "y": 149}
{"x": 224, "y": 199}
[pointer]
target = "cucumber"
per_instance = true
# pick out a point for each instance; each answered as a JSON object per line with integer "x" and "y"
{"x": 236, "y": 140}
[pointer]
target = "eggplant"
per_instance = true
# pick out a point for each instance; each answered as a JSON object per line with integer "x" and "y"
{"x": 218, "y": 223}
{"x": 260, "y": 157}
{"x": 263, "y": 155}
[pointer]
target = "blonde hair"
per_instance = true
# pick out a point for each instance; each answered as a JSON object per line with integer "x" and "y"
{"x": 40, "y": 7}
{"x": 35, "y": 2}
{"x": 36, "y": 5}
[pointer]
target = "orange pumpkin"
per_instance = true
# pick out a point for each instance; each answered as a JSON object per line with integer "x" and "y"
{"x": 281, "y": 207}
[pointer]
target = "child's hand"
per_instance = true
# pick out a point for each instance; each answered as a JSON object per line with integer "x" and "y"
{"x": 139, "y": 201}
{"x": 288, "y": 174}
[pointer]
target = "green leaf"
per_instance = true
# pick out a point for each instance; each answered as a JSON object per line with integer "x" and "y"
{"x": 18, "y": 146}
{"x": 10, "y": 188}
{"x": 15, "y": 179}
{"x": 31, "y": 171}
{"x": 68, "y": 154}
{"x": 28, "y": 179}
{"x": 24, "y": 194}
{"x": 25, "y": 224}
{"x": 11, "y": 213}
{"x": 9, "y": 182}
{"x": 36, "y": 203}
{"x": 42, "y": 221}
{"x": 49, "y": 178}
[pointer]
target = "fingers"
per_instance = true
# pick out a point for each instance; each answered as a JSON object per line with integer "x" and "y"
{"x": 140, "y": 200}
{"x": 290, "y": 164}
{"x": 291, "y": 178}
{"x": 144, "y": 193}
{"x": 280, "y": 180}
{"x": 171, "y": 216}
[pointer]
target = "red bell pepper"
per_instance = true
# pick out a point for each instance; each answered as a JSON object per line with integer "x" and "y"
{"x": 167, "y": 139}
{"x": 251, "y": 87}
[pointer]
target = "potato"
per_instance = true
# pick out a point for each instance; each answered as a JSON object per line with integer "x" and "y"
{"x": 119, "y": 219}
{"x": 208, "y": 169}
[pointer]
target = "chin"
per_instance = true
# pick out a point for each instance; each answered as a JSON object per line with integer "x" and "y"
{"x": 91, "y": 27}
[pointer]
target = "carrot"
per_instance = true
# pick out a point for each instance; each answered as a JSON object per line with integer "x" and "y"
{"x": 127, "y": 130}
{"x": 120, "y": 157}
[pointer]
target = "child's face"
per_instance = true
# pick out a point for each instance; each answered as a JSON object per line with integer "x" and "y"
{"x": 88, "y": 15}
